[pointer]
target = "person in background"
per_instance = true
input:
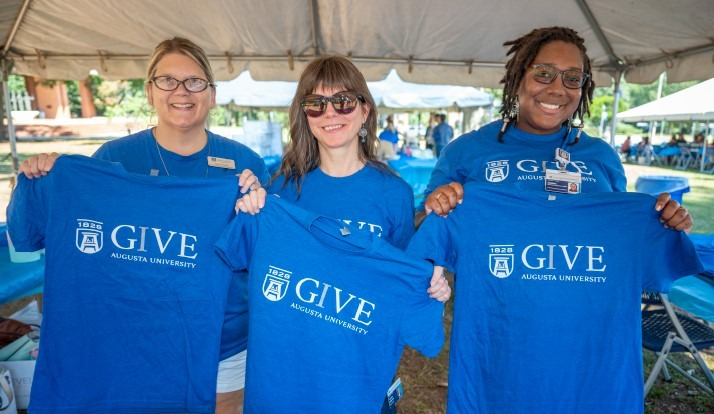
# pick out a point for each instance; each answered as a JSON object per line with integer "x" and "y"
{"x": 625, "y": 147}
{"x": 429, "y": 133}
{"x": 330, "y": 165}
{"x": 443, "y": 133}
{"x": 644, "y": 148}
{"x": 388, "y": 140}
{"x": 699, "y": 139}
{"x": 180, "y": 88}
{"x": 681, "y": 139}
{"x": 547, "y": 86}
{"x": 672, "y": 141}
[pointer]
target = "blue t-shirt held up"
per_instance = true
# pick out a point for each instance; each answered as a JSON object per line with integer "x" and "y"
{"x": 547, "y": 315}
{"x": 134, "y": 295}
{"x": 139, "y": 153}
{"x": 331, "y": 309}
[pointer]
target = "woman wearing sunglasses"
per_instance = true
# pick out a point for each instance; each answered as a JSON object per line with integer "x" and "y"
{"x": 547, "y": 84}
{"x": 181, "y": 90}
{"x": 330, "y": 165}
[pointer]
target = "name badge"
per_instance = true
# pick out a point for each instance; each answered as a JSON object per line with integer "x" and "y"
{"x": 560, "y": 181}
{"x": 221, "y": 163}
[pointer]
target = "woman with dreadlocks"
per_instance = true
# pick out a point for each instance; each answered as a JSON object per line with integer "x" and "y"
{"x": 547, "y": 90}
{"x": 546, "y": 285}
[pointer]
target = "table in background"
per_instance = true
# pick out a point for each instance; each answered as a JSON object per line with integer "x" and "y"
{"x": 18, "y": 280}
{"x": 416, "y": 172}
{"x": 694, "y": 293}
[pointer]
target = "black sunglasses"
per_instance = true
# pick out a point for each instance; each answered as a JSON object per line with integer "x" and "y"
{"x": 572, "y": 79}
{"x": 344, "y": 103}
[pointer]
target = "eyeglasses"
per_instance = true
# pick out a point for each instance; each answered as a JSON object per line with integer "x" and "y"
{"x": 572, "y": 79}
{"x": 344, "y": 103}
{"x": 167, "y": 83}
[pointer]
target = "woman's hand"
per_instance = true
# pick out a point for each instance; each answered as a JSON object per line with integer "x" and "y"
{"x": 444, "y": 199}
{"x": 248, "y": 181}
{"x": 439, "y": 288}
{"x": 672, "y": 214}
{"x": 252, "y": 202}
{"x": 39, "y": 166}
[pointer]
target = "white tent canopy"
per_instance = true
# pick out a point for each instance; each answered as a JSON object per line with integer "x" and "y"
{"x": 457, "y": 42}
{"x": 392, "y": 92}
{"x": 695, "y": 103}
{"x": 244, "y": 92}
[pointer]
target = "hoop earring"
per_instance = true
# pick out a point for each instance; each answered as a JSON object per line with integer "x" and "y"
{"x": 362, "y": 133}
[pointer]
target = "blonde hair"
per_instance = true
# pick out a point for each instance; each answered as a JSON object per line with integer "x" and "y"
{"x": 184, "y": 47}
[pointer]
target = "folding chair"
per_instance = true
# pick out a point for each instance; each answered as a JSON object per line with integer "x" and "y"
{"x": 664, "y": 331}
{"x": 686, "y": 159}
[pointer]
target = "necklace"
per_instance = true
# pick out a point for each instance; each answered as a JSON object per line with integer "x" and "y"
{"x": 158, "y": 150}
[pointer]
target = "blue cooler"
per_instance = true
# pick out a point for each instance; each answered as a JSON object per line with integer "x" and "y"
{"x": 658, "y": 184}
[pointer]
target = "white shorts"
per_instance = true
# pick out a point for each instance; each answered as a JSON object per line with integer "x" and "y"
{"x": 231, "y": 373}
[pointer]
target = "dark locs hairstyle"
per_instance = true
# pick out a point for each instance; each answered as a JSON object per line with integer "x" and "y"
{"x": 523, "y": 51}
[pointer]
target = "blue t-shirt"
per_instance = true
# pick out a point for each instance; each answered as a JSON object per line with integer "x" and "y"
{"x": 478, "y": 156}
{"x": 330, "y": 311}
{"x": 547, "y": 315}
{"x": 139, "y": 153}
{"x": 390, "y": 136}
{"x": 134, "y": 294}
{"x": 442, "y": 134}
{"x": 370, "y": 199}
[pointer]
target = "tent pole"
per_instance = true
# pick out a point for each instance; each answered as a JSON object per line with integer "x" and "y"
{"x": 705, "y": 147}
{"x": 615, "y": 104}
{"x": 8, "y": 113}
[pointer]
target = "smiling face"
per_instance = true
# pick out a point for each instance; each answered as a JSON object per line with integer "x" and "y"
{"x": 180, "y": 109}
{"x": 334, "y": 131}
{"x": 544, "y": 107}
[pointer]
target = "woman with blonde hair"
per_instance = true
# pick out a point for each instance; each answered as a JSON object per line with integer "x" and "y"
{"x": 180, "y": 88}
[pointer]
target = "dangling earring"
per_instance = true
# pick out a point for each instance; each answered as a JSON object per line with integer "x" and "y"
{"x": 515, "y": 109}
{"x": 362, "y": 134}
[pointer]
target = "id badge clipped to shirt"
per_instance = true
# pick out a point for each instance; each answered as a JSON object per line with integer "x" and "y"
{"x": 561, "y": 180}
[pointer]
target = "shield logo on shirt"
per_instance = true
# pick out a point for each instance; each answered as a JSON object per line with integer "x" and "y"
{"x": 89, "y": 238}
{"x": 501, "y": 265}
{"x": 496, "y": 171}
{"x": 274, "y": 288}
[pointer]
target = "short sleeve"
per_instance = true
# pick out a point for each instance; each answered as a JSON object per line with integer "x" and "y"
{"x": 236, "y": 244}
{"x": 423, "y": 326}
{"x": 436, "y": 240}
{"x": 448, "y": 168}
{"x": 26, "y": 213}
{"x": 675, "y": 257}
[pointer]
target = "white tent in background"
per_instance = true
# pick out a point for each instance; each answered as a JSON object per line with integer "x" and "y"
{"x": 392, "y": 92}
{"x": 244, "y": 92}
{"x": 695, "y": 103}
